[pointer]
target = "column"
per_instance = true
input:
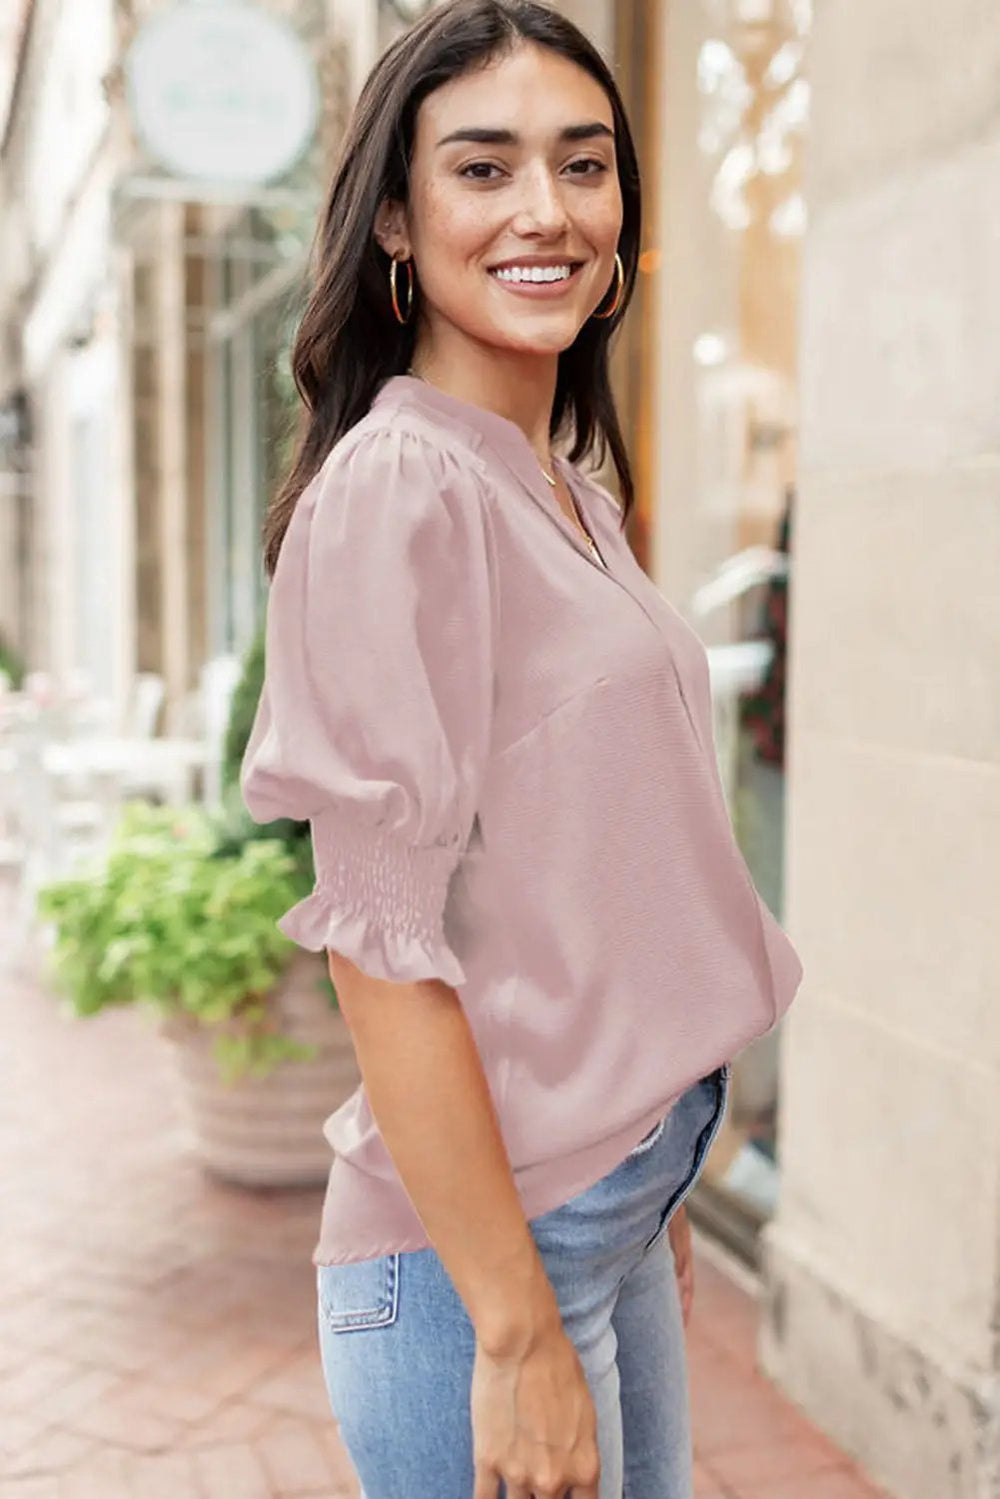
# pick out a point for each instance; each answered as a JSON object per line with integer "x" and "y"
{"x": 171, "y": 430}
{"x": 882, "y": 1265}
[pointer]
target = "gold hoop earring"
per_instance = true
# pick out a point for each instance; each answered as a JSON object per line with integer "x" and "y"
{"x": 619, "y": 289}
{"x": 409, "y": 290}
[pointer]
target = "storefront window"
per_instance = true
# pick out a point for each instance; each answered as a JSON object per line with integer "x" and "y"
{"x": 257, "y": 277}
{"x": 734, "y": 116}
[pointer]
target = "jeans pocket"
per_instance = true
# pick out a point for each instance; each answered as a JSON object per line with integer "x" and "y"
{"x": 359, "y": 1294}
{"x": 719, "y": 1081}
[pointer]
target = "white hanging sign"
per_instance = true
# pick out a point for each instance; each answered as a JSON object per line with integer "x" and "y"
{"x": 221, "y": 90}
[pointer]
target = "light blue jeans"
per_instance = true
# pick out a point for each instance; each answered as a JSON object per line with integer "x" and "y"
{"x": 397, "y": 1345}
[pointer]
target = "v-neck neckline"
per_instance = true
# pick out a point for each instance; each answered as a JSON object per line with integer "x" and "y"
{"x": 511, "y": 444}
{"x": 573, "y": 487}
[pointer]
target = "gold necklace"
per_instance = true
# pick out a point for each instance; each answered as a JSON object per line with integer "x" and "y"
{"x": 586, "y": 534}
{"x": 579, "y": 520}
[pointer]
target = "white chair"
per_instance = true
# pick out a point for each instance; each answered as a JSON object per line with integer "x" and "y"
{"x": 12, "y": 848}
{"x": 219, "y": 678}
{"x": 50, "y": 828}
{"x": 143, "y": 773}
{"x": 145, "y": 700}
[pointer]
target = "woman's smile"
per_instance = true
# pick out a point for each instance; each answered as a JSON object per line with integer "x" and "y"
{"x": 534, "y": 278}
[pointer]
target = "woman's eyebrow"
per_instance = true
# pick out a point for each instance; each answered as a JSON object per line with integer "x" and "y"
{"x": 486, "y": 135}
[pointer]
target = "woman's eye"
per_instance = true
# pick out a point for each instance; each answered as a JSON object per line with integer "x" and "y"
{"x": 587, "y": 166}
{"x": 477, "y": 170}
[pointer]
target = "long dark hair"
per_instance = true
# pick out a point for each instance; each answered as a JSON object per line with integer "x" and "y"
{"x": 348, "y": 341}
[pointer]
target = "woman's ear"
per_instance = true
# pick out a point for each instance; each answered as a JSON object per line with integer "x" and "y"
{"x": 391, "y": 229}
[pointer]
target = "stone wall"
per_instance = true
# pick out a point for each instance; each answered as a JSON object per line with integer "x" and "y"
{"x": 883, "y": 1264}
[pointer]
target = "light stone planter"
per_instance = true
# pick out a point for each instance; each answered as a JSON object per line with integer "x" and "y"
{"x": 267, "y": 1131}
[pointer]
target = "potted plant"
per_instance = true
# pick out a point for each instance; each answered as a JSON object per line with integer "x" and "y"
{"x": 180, "y": 918}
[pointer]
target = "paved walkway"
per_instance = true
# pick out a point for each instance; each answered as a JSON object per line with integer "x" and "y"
{"x": 157, "y": 1328}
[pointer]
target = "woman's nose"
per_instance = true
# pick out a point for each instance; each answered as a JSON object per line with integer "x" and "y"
{"x": 542, "y": 208}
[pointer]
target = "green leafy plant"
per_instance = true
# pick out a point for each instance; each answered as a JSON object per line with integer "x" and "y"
{"x": 180, "y": 918}
{"x": 241, "y": 716}
{"x": 242, "y": 708}
{"x": 11, "y": 664}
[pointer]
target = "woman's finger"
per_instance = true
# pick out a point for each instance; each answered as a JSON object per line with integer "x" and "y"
{"x": 487, "y": 1485}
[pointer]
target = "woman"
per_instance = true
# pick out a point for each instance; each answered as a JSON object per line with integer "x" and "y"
{"x": 543, "y": 936}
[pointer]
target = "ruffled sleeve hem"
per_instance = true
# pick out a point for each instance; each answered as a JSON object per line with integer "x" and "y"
{"x": 316, "y": 923}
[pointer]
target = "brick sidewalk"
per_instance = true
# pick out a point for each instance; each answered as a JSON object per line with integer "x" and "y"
{"x": 157, "y": 1328}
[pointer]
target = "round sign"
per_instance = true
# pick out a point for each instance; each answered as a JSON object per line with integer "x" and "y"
{"x": 220, "y": 90}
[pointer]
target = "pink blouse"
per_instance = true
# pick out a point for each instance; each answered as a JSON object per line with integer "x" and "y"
{"x": 505, "y": 753}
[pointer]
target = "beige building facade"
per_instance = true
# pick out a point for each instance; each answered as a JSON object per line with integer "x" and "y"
{"x": 143, "y": 393}
{"x": 883, "y": 1261}
{"x": 63, "y": 504}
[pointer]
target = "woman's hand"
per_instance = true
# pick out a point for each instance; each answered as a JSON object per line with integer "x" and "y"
{"x": 679, "y": 1233}
{"x": 534, "y": 1423}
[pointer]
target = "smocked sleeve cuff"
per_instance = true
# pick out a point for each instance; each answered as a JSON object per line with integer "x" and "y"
{"x": 378, "y": 901}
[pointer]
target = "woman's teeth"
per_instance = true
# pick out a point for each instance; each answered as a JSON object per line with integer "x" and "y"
{"x": 533, "y": 273}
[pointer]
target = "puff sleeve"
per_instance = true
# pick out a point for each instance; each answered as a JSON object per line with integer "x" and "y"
{"x": 373, "y": 721}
